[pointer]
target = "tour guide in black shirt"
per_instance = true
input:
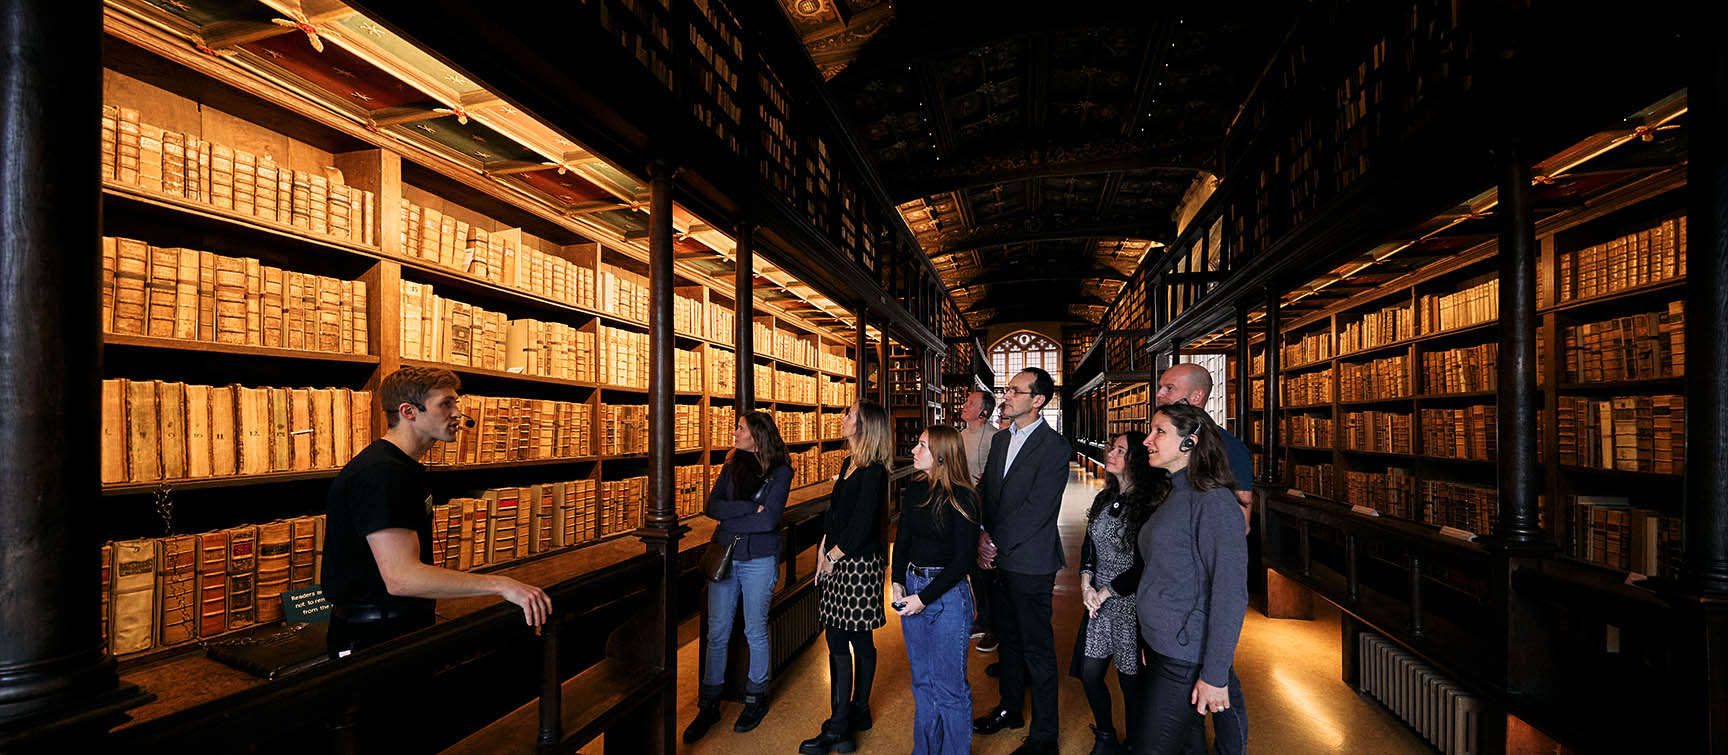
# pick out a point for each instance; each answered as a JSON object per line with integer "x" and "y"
{"x": 377, "y": 574}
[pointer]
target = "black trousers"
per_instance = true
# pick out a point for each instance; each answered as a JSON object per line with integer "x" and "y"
{"x": 348, "y": 636}
{"x": 1027, "y": 646}
{"x": 1168, "y": 723}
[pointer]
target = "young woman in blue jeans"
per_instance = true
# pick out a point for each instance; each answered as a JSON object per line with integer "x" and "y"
{"x": 935, "y": 548}
{"x": 747, "y": 500}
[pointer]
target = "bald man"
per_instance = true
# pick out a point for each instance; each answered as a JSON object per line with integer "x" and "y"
{"x": 1192, "y": 384}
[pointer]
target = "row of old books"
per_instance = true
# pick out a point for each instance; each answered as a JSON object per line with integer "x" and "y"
{"x": 500, "y": 525}
{"x": 791, "y": 386}
{"x": 795, "y": 426}
{"x": 504, "y": 258}
{"x": 1306, "y": 430}
{"x": 806, "y": 466}
{"x": 687, "y": 426}
{"x": 709, "y": 320}
{"x": 764, "y": 374}
{"x": 1308, "y": 388}
{"x": 623, "y": 429}
{"x": 1390, "y": 325}
{"x": 687, "y": 371}
{"x": 1653, "y": 254}
{"x": 831, "y": 422}
{"x": 1378, "y": 431}
{"x": 1313, "y": 347}
{"x": 1316, "y": 479}
{"x": 191, "y": 295}
{"x": 164, "y": 591}
{"x": 448, "y": 331}
{"x": 1462, "y": 370}
{"x": 841, "y": 392}
{"x": 623, "y": 356}
{"x": 1392, "y": 492}
{"x": 722, "y": 369}
{"x": 154, "y": 430}
{"x": 797, "y": 348}
{"x": 1478, "y": 302}
{"x": 828, "y": 467}
{"x": 626, "y": 500}
{"x": 839, "y": 364}
{"x": 1459, "y": 505}
{"x": 1609, "y": 531}
{"x": 690, "y": 489}
{"x": 517, "y": 429}
{"x": 1630, "y": 433}
{"x": 722, "y": 424}
{"x": 184, "y": 166}
{"x": 1467, "y": 432}
{"x": 1257, "y": 393}
{"x": 1633, "y": 347}
{"x": 623, "y": 294}
{"x": 1384, "y": 378}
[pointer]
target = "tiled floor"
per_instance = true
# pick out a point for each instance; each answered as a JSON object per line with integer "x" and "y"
{"x": 1289, "y": 670}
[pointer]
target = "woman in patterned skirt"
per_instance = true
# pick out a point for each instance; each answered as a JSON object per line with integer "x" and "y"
{"x": 850, "y": 573}
{"x": 1110, "y": 628}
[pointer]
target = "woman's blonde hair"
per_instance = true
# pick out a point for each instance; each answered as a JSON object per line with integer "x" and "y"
{"x": 948, "y": 471}
{"x": 870, "y": 442}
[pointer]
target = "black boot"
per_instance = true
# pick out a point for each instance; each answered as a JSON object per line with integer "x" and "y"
{"x": 858, "y": 713}
{"x": 830, "y": 739}
{"x": 707, "y": 713}
{"x": 1104, "y": 742}
{"x": 755, "y": 707}
{"x": 860, "y": 716}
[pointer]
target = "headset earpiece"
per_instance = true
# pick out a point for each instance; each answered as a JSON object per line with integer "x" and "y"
{"x": 1187, "y": 445}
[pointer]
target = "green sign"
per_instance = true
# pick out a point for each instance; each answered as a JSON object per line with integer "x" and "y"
{"x": 305, "y": 605}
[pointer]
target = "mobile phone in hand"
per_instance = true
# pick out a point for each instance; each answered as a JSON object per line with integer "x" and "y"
{"x": 899, "y": 605}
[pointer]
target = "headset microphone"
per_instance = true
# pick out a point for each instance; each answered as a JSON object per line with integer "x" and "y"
{"x": 467, "y": 421}
{"x": 1187, "y": 443}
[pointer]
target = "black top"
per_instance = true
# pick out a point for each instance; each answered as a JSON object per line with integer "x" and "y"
{"x": 381, "y": 488}
{"x": 935, "y": 535}
{"x": 855, "y": 517}
{"x": 737, "y": 514}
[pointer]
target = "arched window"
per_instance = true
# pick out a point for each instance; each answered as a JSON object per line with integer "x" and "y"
{"x": 1024, "y": 348}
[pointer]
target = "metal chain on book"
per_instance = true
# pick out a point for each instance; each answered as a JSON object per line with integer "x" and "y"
{"x": 165, "y": 510}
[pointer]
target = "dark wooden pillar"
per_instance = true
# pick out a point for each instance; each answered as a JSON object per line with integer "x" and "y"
{"x": 1516, "y": 395}
{"x": 744, "y": 306}
{"x": 1705, "y": 566}
{"x": 1244, "y": 368}
{"x": 660, "y": 532}
{"x": 1274, "y": 359}
{"x": 52, "y": 663}
{"x": 861, "y": 341}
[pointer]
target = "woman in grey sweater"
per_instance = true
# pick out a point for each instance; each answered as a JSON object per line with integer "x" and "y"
{"x": 1194, "y": 589}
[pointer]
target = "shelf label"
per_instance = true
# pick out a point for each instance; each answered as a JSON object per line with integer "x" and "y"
{"x": 305, "y": 606}
{"x": 1465, "y": 535}
{"x": 1364, "y": 510}
{"x": 1294, "y": 493}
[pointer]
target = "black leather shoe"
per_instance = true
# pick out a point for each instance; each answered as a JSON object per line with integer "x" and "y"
{"x": 1104, "y": 742}
{"x": 859, "y": 717}
{"x": 1036, "y": 747}
{"x": 707, "y": 714}
{"x": 827, "y": 741}
{"x": 997, "y": 719}
{"x": 755, "y": 707}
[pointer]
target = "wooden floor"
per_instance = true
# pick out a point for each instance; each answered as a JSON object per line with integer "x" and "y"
{"x": 1289, "y": 669}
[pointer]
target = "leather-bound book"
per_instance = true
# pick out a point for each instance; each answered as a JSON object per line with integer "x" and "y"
{"x": 273, "y": 307}
{"x": 163, "y": 286}
{"x": 369, "y": 217}
{"x": 222, "y": 176}
{"x": 107, "y": 587}
{"x": 545, "y": 510}
{"x": 318, "y": 546}
{"x": 342, "y": 426}
{"x": 127, "y": 146}
{"x": 185, "y": 293}
{"x": 345, "y": 322}
{"x": 502, "y": 505}
{"x": 245, "y": 183}
{"x": 329, "y": 314}
{"x": 299, "y": 199}
{"x": 230, "y": 298}
{"x": 294, "y": 310}
{"x": 224, "y": 438}
{"x": 150, "y": 158}
{"x": 110, "y": 263}
{"x": 440, "y": 532}
{"x": 317, "y": 204}
{"x": 264, "y": 199}
{"x": 280, "y": 441}
{"x": 361, "y": 340}
{"x": 430, "y": 222}
{"x": 144, "y": 452}
{"x": 275, "y": 567}
{"x": 176, "y": 583}
{"x": 212, "y": 583}
{"x": 323, "y": 428}
{"x": 252, "y": 421}
{"x": 110, "y": 142}
{"x": 464, "y": 545}
{"x": 171, "y": 428}
{"x": 242, "y": 575}
{"x": 198, "y": 456}
{"x": 337, "y": 214}
{"x": 114, "y": 434}
{"x": 206, "y": 296}
{"x": 204, "y": 188}
{"x": 300, "y": 428}
{"x": 174, "y": 163}
{"x": 132, "y": 609}
{"x": 361, "y": 421}
{"x": 254, "y": 301}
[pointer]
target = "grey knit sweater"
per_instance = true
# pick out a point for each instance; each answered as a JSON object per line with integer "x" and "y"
{"x": 1194, "y": 590}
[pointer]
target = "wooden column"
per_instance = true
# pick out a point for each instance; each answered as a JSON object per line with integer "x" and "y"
{"x": 1519, "y": 477}
{"x": 1244, "y": 368}
{"x": 1705, "y": 565}
{"x": 861, "y": 340}
{"x": 1270, "y": 475}
{"x": 661, "y": 531}
{"x": 744, "y": 307}
{"x": 52, "y": 662}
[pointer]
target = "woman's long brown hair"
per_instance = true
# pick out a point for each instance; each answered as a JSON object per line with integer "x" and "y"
{"x": 948, "y": 471}
{"x": 1208, "y": 462}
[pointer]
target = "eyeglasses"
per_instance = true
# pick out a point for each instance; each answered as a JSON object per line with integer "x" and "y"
{"x": 1012, "y": 391}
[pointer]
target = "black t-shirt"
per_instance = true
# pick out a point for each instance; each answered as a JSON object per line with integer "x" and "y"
{"x": 381, "y": 488}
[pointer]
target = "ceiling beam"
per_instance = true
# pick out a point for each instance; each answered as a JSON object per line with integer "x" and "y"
{"x": 1155, "y": 227}
{"x": 957, "y": 172}
{"x": 1003, "y": 275}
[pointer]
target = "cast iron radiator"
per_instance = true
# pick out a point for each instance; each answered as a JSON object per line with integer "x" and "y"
{"x": 1441, "y": 711}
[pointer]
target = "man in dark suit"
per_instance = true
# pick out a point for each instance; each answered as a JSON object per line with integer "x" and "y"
{"x": 1022, "y": 492}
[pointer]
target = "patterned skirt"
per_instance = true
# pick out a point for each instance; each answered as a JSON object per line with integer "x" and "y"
{"x": 852, "y": 594}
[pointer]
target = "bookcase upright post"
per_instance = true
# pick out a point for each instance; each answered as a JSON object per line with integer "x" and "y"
{"x": 1516, "y": 398}
{"x": 743, "y": 307}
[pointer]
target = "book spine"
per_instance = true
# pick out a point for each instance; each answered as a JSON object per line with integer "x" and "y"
{"x": 242, "y": 573}
{"x": 132, "y": 607}
{"x": 275, "y": 567}
{"x": 177, "y": 617}
{"x": 212, "y": 584}
{"x": 114, "y": 430}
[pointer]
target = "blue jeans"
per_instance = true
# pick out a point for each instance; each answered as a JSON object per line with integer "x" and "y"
{"x": 936, "y": 645}
{"x": 755, "y": 580}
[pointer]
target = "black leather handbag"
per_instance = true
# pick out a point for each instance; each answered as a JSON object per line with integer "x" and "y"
{"x": 717, "y": 560}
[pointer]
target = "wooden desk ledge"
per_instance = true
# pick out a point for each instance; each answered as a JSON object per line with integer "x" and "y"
{"x": 590, "y": 701}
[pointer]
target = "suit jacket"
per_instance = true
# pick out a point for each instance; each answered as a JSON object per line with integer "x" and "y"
{"x": 1020, "y": 508}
